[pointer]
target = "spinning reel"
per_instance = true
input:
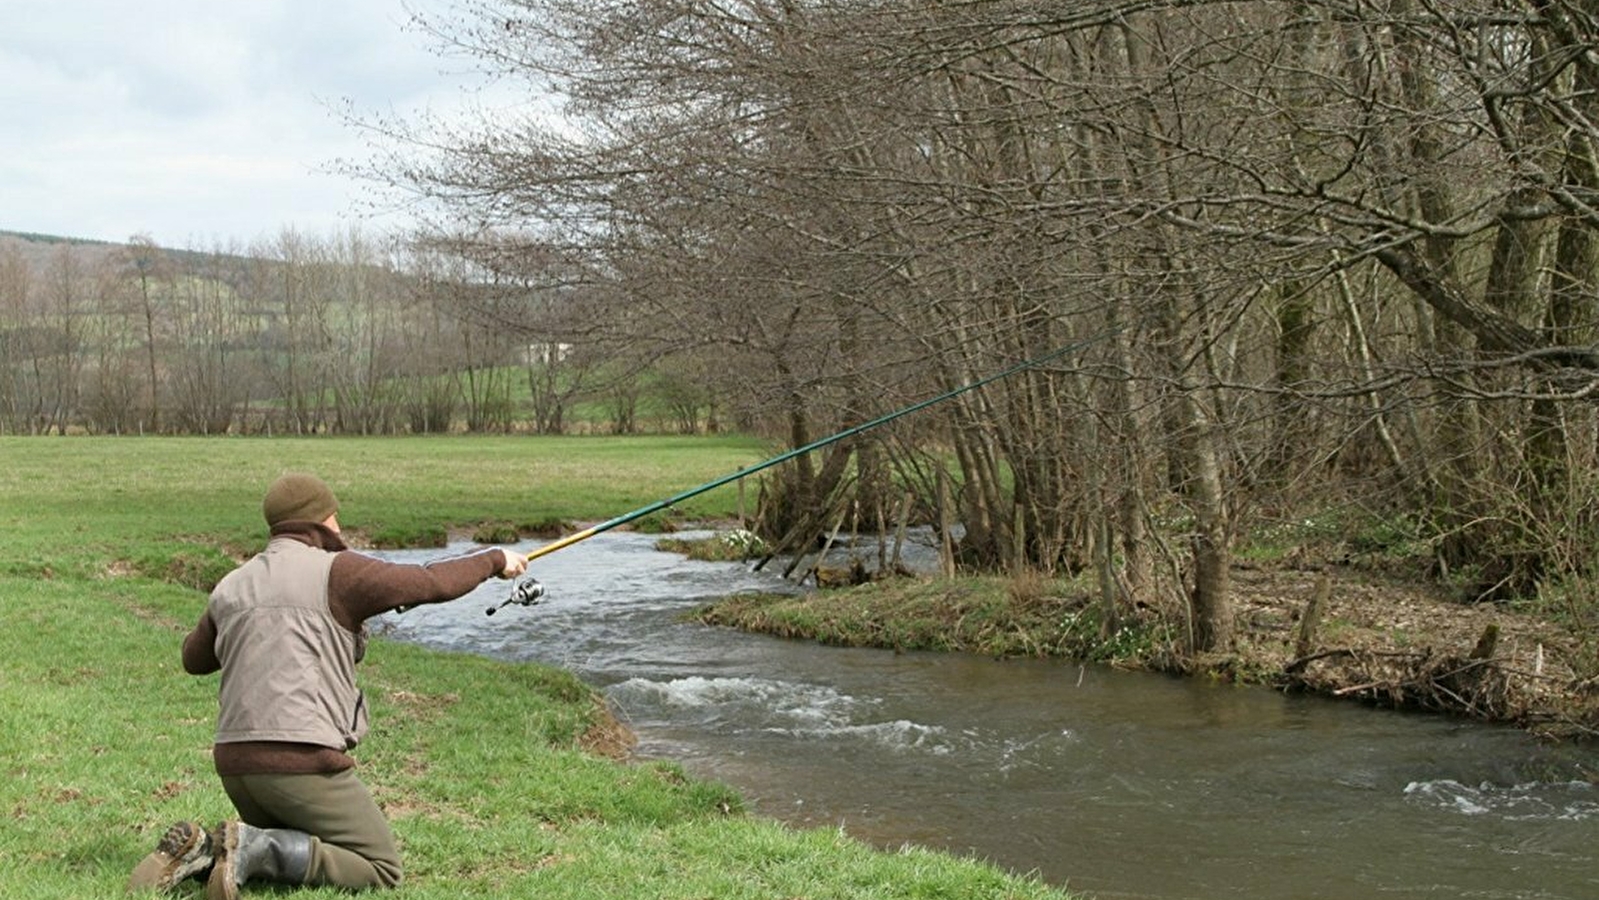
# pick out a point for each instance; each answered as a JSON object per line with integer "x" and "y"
{"x": 527, "y": 592}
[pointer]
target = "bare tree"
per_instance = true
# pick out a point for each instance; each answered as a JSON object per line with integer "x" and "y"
{"x": 208, "y": 362}
{"x": 152, "y": 273}
{"x": 16, "y": 284}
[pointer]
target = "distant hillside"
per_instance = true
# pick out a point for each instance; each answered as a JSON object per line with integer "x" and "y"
{"x": 37, "y": 250}
{"x": 36, "y": 238}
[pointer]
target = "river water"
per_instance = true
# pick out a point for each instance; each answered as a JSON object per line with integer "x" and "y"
{"x": 1114, "y": 784}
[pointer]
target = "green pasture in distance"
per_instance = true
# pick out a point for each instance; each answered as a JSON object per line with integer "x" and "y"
{"x": 63, "y": 497}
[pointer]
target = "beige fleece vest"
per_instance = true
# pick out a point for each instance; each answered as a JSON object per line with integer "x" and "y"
{"x": 288, "y": 668}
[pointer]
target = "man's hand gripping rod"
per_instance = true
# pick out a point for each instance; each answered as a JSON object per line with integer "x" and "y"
{"x": 528, "y": 591}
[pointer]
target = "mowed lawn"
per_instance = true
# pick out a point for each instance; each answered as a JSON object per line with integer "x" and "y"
{"x": 108, "y": 544}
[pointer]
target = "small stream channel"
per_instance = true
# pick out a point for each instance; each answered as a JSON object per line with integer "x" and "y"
{"x": 1114, "y": 784}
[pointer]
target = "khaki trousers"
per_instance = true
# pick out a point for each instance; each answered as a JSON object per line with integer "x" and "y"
{"x": 353, "y": 845}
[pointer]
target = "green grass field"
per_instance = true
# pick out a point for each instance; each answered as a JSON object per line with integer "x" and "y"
{"x": 104, "y": 740}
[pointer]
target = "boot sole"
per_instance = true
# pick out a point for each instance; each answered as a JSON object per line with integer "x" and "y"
{"x": 178, "y": 855}
{"x": 222, "y": 885}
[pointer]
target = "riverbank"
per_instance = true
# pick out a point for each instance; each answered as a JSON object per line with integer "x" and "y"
{"x": 1378, "y": 638}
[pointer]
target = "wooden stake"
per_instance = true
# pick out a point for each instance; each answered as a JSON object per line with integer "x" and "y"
{"x": 1311, "y": 619}
{"x": 946, "y": 550}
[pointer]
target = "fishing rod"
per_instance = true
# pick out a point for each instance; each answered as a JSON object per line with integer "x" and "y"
{"x": 529, "y": 591}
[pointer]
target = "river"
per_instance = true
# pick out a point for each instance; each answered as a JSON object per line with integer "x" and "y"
{"x": 1110, "y": 783}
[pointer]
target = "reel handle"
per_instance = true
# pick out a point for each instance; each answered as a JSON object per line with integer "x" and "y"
{"x": 527, "y": 592}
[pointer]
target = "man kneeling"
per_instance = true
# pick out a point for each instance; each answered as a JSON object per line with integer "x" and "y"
{"x": 286, "y": 630}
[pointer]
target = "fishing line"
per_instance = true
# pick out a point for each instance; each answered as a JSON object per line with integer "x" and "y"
{"x": 529, "y": 592}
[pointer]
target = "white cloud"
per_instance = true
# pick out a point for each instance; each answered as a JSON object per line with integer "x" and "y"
{"x": 194, "y": 120}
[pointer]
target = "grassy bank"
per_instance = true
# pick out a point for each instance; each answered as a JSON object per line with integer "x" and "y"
{"x": 1387, "y": 641}
{"x": 481, "y": 765}
{"x": 988, "y": 615}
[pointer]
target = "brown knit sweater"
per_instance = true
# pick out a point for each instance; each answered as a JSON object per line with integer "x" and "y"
{"x": 359, "y": 587}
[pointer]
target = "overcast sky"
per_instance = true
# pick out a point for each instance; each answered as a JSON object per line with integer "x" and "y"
{"x": 198, "y": 122}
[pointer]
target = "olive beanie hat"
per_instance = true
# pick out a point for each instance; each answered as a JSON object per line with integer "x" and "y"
{"x": 298, "y": 497}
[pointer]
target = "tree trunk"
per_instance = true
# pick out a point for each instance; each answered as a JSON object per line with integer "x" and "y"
{"x": 1211, "y": 598}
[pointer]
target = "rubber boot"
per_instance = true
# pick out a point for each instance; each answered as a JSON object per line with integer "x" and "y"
{"x": 184, "y": 851}
{"x": 247, "y": 853}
